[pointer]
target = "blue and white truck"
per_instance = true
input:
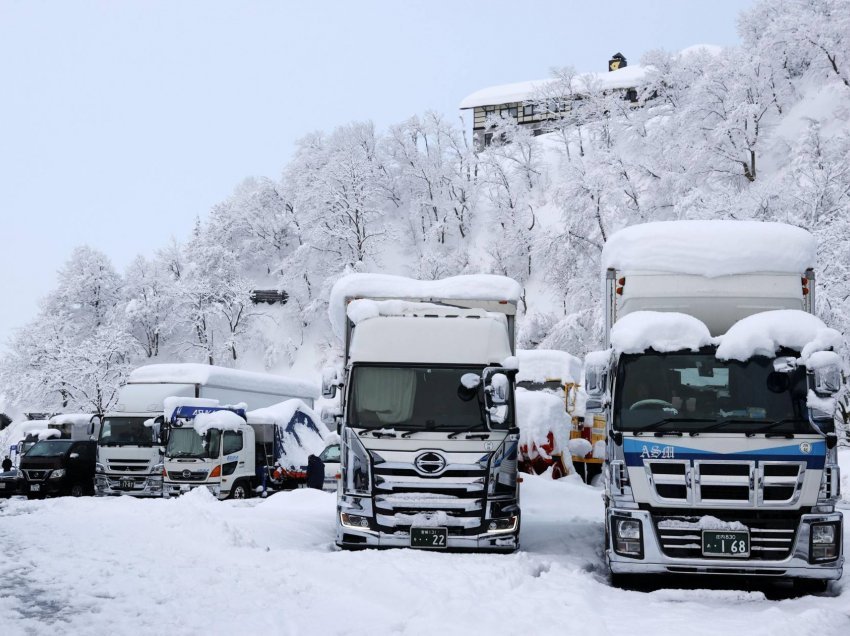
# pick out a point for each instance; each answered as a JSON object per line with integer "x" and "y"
{"x": 717, "y": 388}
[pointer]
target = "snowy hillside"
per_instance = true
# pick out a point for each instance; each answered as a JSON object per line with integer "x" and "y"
{"x": 759, "y": 132}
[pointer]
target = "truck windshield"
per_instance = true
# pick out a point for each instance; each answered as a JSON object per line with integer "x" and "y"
{"x": 126, "y": 431}
{"x": 50, "y": 449}
{"x": 414, "y": 398}
{"x": 186, "y": 442}
{"x": 696, "y": 392}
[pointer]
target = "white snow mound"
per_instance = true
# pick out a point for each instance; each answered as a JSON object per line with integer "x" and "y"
{"x": 540, "y": 365}
{"x": 763, "y": 334}
{"x": 711, "y": 248}
{"x": 662, "y": 331}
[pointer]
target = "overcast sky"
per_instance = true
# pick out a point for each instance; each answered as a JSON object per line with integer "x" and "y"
{"x": 121, "y": 122}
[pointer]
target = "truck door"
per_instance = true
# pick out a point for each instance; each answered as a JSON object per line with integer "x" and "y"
{"x": 235, "y": 461}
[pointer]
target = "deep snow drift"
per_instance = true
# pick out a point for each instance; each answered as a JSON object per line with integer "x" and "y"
{"x": 196, "y": 565}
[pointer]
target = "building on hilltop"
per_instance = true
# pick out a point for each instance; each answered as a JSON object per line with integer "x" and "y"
{"x": 538, "y": 104}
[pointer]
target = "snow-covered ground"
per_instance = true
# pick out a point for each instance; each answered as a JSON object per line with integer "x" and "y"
{"x": 195, "y": 565}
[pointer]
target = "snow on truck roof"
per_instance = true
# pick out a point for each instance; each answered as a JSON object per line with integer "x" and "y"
{"x": 193, "y": 373}
{"x": 541, "y": 365}
{"x": 501, "y": 292}
{"x": 762, "y": 334}
{"x": 711, "y": 248}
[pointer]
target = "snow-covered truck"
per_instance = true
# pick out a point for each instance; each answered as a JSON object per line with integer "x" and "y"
{"x": 546, "y": 389}
{"x": 235, "y": 453}
{"x": 130, "y": 449}
{"x": 717, "y": 389}
{"x": 427, "y": 424}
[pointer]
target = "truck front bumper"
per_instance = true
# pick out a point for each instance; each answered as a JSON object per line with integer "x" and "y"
{"x": 114, "y": 485}
{"x": 653, "y": 560}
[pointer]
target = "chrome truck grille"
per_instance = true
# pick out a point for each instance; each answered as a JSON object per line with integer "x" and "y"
{"x": 405, "y": 498}
{"x": 727, "y": 484}
{"x": 127, "y": 465}
{"x": 771, "y": 536}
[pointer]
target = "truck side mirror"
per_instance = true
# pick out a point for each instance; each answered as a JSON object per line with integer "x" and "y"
{"x": 595, "y": 380}
{"x": 330, "y": 380}
{"x": 827, "y": 379}
{"x": 94, "y": 424}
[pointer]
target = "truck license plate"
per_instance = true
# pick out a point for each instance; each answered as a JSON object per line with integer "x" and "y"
{"x": 729, "y": 544}
{"x": 35, "y": 487}
{"x": 428, "y": 537}
{"x": 126, "y": 484}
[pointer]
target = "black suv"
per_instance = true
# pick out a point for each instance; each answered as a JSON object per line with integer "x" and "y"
{"x": 59, "y": 467}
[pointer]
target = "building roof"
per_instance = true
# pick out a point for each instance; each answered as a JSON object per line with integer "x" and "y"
{"x": 627, "y": 77}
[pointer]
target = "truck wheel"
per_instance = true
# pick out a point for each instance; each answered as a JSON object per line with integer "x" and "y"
{"x": 78, "y": 490}
{"x": 239, "y": 491}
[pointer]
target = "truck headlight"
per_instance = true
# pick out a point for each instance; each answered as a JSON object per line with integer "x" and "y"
{"x": 627, "y": 535}
{"x": 157, "y": 470}
{"x": 508, "y": 524}
{"x": 823, "y": 541}
{"x": 356, "y": 522}
{"x": 59, "y": 473}
{"x": 99, "y": 468}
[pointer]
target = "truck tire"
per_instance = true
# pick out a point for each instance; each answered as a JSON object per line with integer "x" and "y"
{"x": 240, "y": 490}
{"x": 77, "y": 490}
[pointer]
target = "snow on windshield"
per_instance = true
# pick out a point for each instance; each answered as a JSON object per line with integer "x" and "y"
{"x": 724, "y": 248}
{"x": 763, "y": 334}
{"x": 662, "y": 331}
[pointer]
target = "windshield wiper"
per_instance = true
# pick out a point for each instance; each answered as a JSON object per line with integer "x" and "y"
{"x": 667, "y": 420}
{"x": 469, "y": 430}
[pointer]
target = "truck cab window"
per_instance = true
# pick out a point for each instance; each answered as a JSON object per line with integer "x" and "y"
{"x": 232, "y": 442}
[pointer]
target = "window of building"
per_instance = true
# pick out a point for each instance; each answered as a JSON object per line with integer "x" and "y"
{"x": 528, "y": 110}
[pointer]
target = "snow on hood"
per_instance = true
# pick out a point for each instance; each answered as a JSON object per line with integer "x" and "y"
{"x": 663, "y": 331}
{"x": 540, "y": 365}
{"x": 711, "y": 248}
{"x": 481, "y": 287}
{"x": 193, "y": 373}
{"x": 763, "y": 334}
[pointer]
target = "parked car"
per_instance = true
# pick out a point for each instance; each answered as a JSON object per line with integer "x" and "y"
{"x": 330, "y": 457}
{"x": 10, "y": 483}
{"x": 55, "y": 467}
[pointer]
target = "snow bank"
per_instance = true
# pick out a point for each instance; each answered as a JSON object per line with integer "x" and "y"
{"x": 764, "y": 333}
{"x": 299, "y": 431}
{"x": 627, "y": 77}
{"x": 540, "y": 413}
{"x": 205, "y": 374}
{"x": 479, "y": 287}
{"x": 540, "y": 365}
{"x": 662, "y": 331}
{"x": 711, "y": 248}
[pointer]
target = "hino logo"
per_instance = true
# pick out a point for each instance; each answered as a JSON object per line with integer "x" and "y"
{"x": 430, "y": 463}
{"x": 186, "y": 474}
